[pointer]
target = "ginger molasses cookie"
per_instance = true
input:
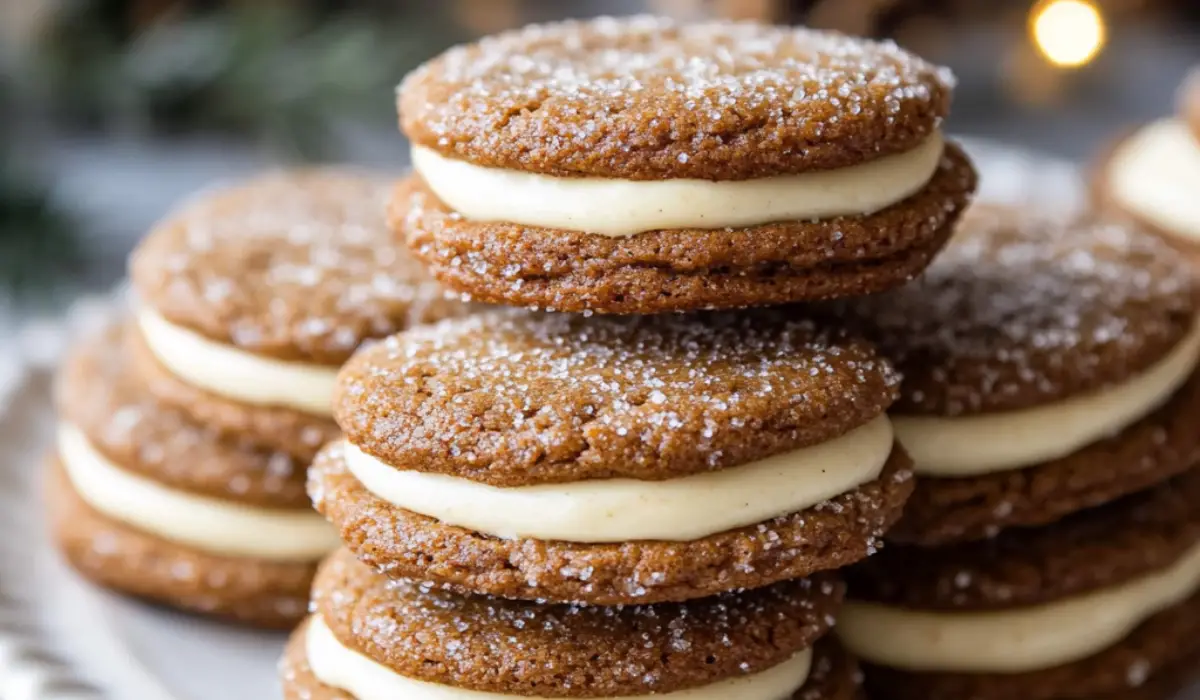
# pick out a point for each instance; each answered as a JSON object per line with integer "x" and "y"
{"x": 639, "y": 165}
{"x": 1151, "y": 174}
{"x": 250, "y": 297}
{"x": 1103, "y": 604}
{"x": 613, "y": 460}
{"x": 1049, "y": 367}
{"x": 148, "y": 502}
{"x": 372, "y": 637}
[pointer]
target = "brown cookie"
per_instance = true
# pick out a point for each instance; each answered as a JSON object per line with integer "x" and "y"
{"x": 100, "y": 392}
{"x": 294, "y": 265}
{"x": 1091, "y": 550}
{"x": 684, "y": 269}
{"x": 296, "y": 433}
{"x": 834, "y": 674}
{"x": 644, "y": 98}
{"x": 1153, "y": 663}
{"x": 404, "y": 544}
{"x": 1025, "y": 309}
{"x": 517, "y": 648}
{"x": 515, "y": 398}
{"x": 112, "y": 554}
{"x": 1162, "y": 445}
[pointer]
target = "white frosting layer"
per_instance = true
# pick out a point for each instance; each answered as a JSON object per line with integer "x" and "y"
{"x": 1014, "y": 641}
{"x": 621, "y": 510}
{"x": 340, "y": 667}
{"x": 205, "y": 524}
{"x": 614, "y": 207}
{"x": 992, "y": 442}
{"x": 237, "y": 374}
{"x": 1156, "y": 174}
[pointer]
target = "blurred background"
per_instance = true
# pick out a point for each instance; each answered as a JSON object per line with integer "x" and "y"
{"x": 112, "y": 110}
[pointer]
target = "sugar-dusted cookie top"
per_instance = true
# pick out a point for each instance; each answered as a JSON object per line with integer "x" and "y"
{"x": 296, "y": 265}
{"x": 514, "y": 397}
{"x": 1023, "y": 309}
{"x": 647, "y": 98}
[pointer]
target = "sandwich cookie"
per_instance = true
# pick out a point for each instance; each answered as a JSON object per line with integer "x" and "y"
{"x": 251, "y": 297}
{"x": 1103, "y": 605}
{"x": 641, "y": 165}
{"x": 1152, "y": 174}
{"x": 613, "y": 460}
{"x": 1049, "y": 366}
{"x": 146, "y": 501}
{"x": 372, "y": 638}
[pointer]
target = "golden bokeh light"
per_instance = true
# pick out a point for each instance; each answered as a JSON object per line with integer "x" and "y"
{"x": 1068, "y": 33}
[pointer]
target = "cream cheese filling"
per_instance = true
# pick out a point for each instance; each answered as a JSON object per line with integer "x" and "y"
{"x": 236, "y": 374}
{"x": 615, "y": 207}
{"x": 1155, "y": 174}
{"x": 994, "y": 442}
{"x": 1017, "y": 640}
{"x": 206, "y": 524}
{"x": 335, "y": 665}
{"x": 621, "y": 510}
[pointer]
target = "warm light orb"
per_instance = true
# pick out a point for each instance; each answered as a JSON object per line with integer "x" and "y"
{"x": 1069, "y": 33}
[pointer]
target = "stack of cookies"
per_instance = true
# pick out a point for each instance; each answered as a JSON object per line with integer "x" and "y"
{"x": 543, "y": 504}
{"x": 186, "y": 431}
{"x": 1152, "y": 175}
{"x": 1051, "y": 548}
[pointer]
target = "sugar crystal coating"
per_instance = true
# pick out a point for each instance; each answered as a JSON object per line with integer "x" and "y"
{"x": 298, "y": 265}
{"x": 514, "y": 397}
{"x": 647, "y": 98}
{"x": 1022, "y": 309}
{"x": 513, "y": 647}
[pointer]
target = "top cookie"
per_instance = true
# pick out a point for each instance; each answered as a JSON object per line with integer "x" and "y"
{"x": 294, "y": 265}
{"x": 644, "y": 98}
{"x": 1021, "y": 310}
{"x": 511, "y": 398}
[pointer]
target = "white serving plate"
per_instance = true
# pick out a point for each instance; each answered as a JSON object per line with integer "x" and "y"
{"x": 61, "y": 639}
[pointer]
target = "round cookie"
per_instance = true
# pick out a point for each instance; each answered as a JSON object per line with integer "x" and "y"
{"x": 100, "y": 392}
{"x": 514, "y": 404}
{"x": 405, "y": 544}
{"x": 681, "y": 269}
{"x": 1089, "y": 550}
{"x": 633, "y": 97}
{"x": 1158, "y": 660}
{"x": 1099, "y": 552}
{"x": 515, "y": 648}
{"x": 254, "y": 592}
{"x": 1028, "y": 322}
{"x": 254, "y": 294}
{"x": 641, "y": 165}
{"x": 834, "y": 675}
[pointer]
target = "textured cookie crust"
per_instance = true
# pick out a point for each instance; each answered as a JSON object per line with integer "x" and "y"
{"x": 518, "y": 648}
{"x": 1160, "y": 446}
{"x": 1021, "y": 310}
{"x": 1109, "y": 206}
{"x": 404, "y": 544}
{"x": 1153, "y": 663}
{"x": 1095, "y": 549}
{"x": 297, "y": 433}
{"x": 513, "y": 398}
{"x": 684, "y": 269}
{"x": 834, "y": 674}
{"x": 294, "y": 265}
{"x": 646, "y": 98}
{"x": 111, "y": 554}
{"x": 100, "y": 393}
